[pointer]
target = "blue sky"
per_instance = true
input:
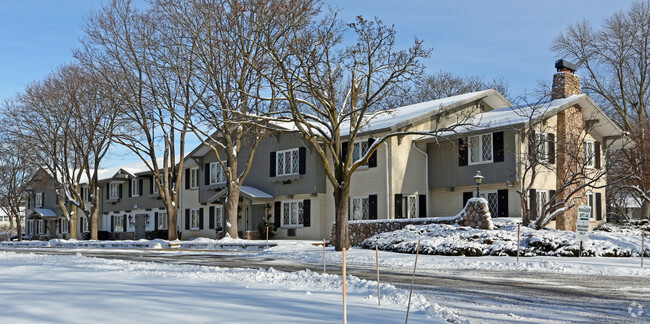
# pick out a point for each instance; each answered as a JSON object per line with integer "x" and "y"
{"x": 498, "y": 38}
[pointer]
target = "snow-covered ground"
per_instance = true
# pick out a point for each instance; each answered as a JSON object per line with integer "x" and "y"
{"x": 78, "y": 289}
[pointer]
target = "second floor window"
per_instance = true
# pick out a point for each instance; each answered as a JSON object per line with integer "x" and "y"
{"x": 38, "y": 200}
{"x": 115, "y": 190}
{"x": 194, "y": 178}
{"x": 287, "y": 162}
{"x": 480, "y": 149}
{"x": 217, "y": 174}
{"x": 541, "y": 143}
{"x": 85, "y": 193}
{"x": 360, "y": 149}
{"x": 135, "y": 188}
{"x": 589, "y": 154}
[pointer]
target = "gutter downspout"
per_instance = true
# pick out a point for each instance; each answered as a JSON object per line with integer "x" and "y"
{"x": 387, "y": 182}
{"x": 426, "y": 174}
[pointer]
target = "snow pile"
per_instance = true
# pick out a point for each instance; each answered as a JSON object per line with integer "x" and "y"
{"x": 631, "y": 227}
{"x": 226, "y": 243}
{"x": 455, "y": 240}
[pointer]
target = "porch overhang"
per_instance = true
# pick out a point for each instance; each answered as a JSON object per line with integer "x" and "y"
{"x": 44, "y": 213}
{"x": 248, "y": 192}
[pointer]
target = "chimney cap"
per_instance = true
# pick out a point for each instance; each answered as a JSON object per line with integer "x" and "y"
{"x": 562, "y": 65}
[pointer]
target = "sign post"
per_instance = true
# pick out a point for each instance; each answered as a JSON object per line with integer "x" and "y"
{"x": 582, "y": 226}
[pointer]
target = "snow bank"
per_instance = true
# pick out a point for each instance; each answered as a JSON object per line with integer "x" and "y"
{"x": 226, "y": 243}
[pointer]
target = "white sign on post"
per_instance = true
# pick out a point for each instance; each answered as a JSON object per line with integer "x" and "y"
{"x": 582, "y": 227}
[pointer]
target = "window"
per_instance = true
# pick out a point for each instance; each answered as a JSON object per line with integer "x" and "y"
{"x": 30, "y": 227}
{"x": 38, "y": 200}
{"x": 287, "y": 162}
{"x": 217, "y": 174}
{"x": 590, "y": 203}
{"x": 480, "y": 149}
{"x": 359, "y": 208}
{"x": 589, "y": 154}
{"x": 194, "y": 178}
{"x": 85, "y": 193}
{"x": 541, "y": 144}
{"x": 292, "y": 213}
{"x": 84, "y": 224}
{"x": 360, "y": 149}
{"x": 162, "y": 220}
{"x": 114, "y": 192}
{"x": 154, "y": 186}
{"x": 118, "y": 223}
{"x": 194, "y": 219}
{"x": 218, "y": 216}
{"x": 39, "y": 227}
{"x": 542, "y": 197}
{"x": 135, "y": 188}
{"x": 493, "y": 201}
{"x": 64, "y": 226}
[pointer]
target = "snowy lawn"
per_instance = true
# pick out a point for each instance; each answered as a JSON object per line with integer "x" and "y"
{"x": 454, "y": 240}
{"x": 77, "y": 289}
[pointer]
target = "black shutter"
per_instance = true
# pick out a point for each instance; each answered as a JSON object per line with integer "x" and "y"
{"x": 344, "y": 150}
{"x": 155, "y": 221}
{"x": 497, "y": 145}
{"x": 597, "y": 154}
{"x": 466, "y": 197}
{"x": 58, "y": 225}
{"x": 211, "y": 215}
{"x": 372, "y": 161}
{"x": 272, "y": 165}
{"x": 462, "y": 152}
{"x": 422, "y": 206}
{"x": 187, "y": 179}
{"x": 140, "y": 187}
{"x": 551, "y": 194}
{"x": 551, "y": 148}
{"x": 398, "y": 206}
{"x": 306, "y": 213}
{"x": 130, "y": 188}
{"x": 302, "y": 160}
{"x": 151, "y": 184}
{"x": 532, "y": 203}
{"x": 112, "y": 223}
{"x": 372, "y": 207}
{"x": 599, "y": 209}
{"x": 276, "y": 213}
{"x": 108, "y": 189}
{"x": 81, "y": 223}
{"x": 187, "y": 219}
{"x": 502, "y": 201}
{"x": 206, "y": 174}
{"x": 201, "y": 218}
{"x": 119, "y": 195}
{"x": 124, "y": 223}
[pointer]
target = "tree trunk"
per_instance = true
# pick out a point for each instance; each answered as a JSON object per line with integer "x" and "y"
{"x": 94, "y": 215}
{"x": 11, "y": 226}
{"x": 231, "y": 210}
{"x": 72, "y": 228}
{"x": 645, "y": 210}
{"x": 341, "y": 229}
{"x": 19, "y": 229}
{"x": 172, "y": 226}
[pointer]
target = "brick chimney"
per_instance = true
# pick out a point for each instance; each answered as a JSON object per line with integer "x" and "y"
{"x": 565, "y": 82}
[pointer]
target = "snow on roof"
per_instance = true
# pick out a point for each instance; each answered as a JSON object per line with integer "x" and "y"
{"x": 401, "y": 115}
{"x": 131, "y": 168}
{"x": 44, "y": 212}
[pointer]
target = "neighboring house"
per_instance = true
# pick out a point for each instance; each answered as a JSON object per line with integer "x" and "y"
{"x": 43, "y": 216}
{"x": 4, "y": 219}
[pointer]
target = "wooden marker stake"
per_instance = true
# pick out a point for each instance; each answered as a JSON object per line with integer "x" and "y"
{"x": 345, "y": 292}
{"x": 417, "y": 251}
{"x": 378, "y": 288}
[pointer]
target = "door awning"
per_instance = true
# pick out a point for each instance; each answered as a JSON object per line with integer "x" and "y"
{"x": 246, "y": 192}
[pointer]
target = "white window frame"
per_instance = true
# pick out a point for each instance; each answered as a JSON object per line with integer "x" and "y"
{"x": 590, "y": 156}
{"x": 135, "y": 188}
{"x": 480, "y": 139}
{"x": 217, "y": 173}
{"x": 163, "y": 219}
{"x": 281, "y": 164}
{"x": 194, "y": 219}
{"x": 359, "y": 149}
{"x": 38, "y": 200}
{"x": 296, "y": 212}
{"x": 30, "y": 227}
{"x": 540, "y": 201}
{"x": 541, "y": 145}
{"x": 114, "y": 190}
{"x": 39, "y": 227}
{"x": 218, "y": 216}
{"x": 154, "y": 186}
{"x": 364, "y": 213}
{"x": 118, "y": 223}
{"x": 84, "y": 223}
{"x": 406, "y": 211}
{"x": 64, "y": 226}
{"x": 85, "y": 191}
{"x": 194, "y": 178}
{"x": 591, "y": 202}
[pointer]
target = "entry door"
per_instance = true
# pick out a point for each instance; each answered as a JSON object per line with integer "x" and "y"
{"x": 140, "y": 226}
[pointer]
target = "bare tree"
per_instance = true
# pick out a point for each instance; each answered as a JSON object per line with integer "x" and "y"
{"x": 16, "y": 170}
{"x": 616, "y": 58}
{"x": 133, "y": 50}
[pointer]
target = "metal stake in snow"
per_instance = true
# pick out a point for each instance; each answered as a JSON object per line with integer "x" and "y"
{"x": 518, "y": 240}
{"x": 324, "y": 259}
{"x": 378, "y": 289}
{"x": 345, "y": 292}
{"x": 408, "y": 307}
